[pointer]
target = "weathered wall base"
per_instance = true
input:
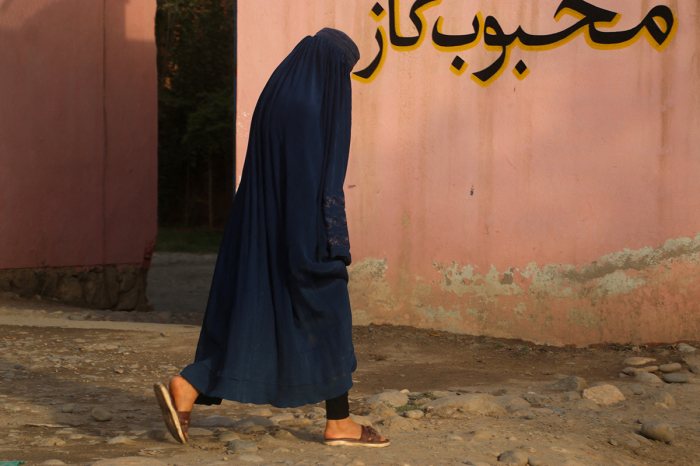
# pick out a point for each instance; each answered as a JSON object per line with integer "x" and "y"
{"x": 650, "y": 295}
{"x": 117, "y": 287}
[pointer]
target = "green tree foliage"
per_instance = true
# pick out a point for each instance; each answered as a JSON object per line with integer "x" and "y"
{"x": 196, "y": 65}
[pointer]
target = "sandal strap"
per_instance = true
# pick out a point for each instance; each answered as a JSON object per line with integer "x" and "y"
{"x": 184, "y": 418}
{"x": 369, "y": 435}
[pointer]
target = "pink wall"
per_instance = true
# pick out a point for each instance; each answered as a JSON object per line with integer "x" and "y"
{"x": 561, "y": 208}
{"x": 78, "y": 132}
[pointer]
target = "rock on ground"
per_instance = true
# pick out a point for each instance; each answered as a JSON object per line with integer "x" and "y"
{"x": 393, "y": 397}
{"x": 401, "y": 423}
{"x": 472, "y": 403}
{"x": 646, "y": 377}
{"x": 517, "y": 457}
{"x": 661, "y": 397}
{"x": 657, "y": 430}
{"x": 568, "y": 384}
{"x": 675, "y": 377}
{"x": 241, "y": 446}
{"x": 673, "y": 367}
{"x": 604, "y": 394}
{"x": 637, "y": 361}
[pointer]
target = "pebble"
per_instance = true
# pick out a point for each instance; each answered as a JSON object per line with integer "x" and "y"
{"x": 604, "y": 394}
{"x": 228, "y": 437}
{"x": 637, "y": 361}
{"x": 241, "y": 446}
{"x": 673, "y": 367}
{"x": 414, "y": 414}
{"x": 568, "y": 384}
{"x": 394, "y": 398}
{"x": 657, "y": 430}
{"x": 646, "y": 377}
{"x": 685, "y": 348}
{"x": 53, "y": 463}
{"x": 675, "y": 377}
{"x": 120, "y": 440}
{"x": 101, "y": 415}
{"x": 517, "y": 457}
{"x": 67, "y": 409}
{"x": 284, "y": 435}
{"x": 262, "y": 412}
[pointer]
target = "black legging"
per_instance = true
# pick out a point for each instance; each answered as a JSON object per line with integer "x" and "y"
{"x": 338, "y": 408}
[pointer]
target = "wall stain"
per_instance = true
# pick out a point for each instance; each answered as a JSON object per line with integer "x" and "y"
{"x": 632, "y": 296}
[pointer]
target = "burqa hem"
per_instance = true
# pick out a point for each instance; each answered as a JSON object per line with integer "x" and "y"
{"x": 213, "y": 388}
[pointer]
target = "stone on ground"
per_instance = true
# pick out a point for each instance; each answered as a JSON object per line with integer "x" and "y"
{"x": 604, "y": 394}
{"x": 228, "y": 437}
{"x": 637, "y": 361}
{"x": 471, "y": 403}
{"x": 49, "y": 442}
{"x": 241, "y": 446}
{"x": 250, "y": 458}
{"x": 261, "y": 412}
{"x": 673, "y": 367}
{"x": 675, "y": 377}
{"x": 646, "y": 377}
{"x": 685, "y": 348}
{"x": 198, "y": 431}
{"x": 101, "y": 415}
{"x": 661, "y": 397}
{"x": 414, "y": 414}
{"x": 568, "y": 384}
{"x": 657, "y": 430}
{"x": 517, "y": 457}
{"x": 120, "y": 440}
{"x": 394, "y": 398}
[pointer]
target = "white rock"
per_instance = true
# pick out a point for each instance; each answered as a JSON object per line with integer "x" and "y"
{"x": 120, "y": 440}
{"x": 261, "y": 412}
{"x": 637, "y": 361}
{"x": 414, "y": 414}
{"x": 604, "y": 394}
{"x": 394, "y": 398}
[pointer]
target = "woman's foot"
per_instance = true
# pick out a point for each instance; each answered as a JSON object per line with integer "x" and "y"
{"x": 345, "y": 429}
{"x": 183, "y": 393}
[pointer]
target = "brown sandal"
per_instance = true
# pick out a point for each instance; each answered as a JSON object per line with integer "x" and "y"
{"x": 178, "y": 422}
{"x": 370, "y": 438}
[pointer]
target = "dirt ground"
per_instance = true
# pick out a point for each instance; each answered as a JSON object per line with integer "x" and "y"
{"x": 58, "y": 363}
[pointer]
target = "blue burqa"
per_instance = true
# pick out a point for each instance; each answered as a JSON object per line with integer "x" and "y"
{"x": 277, "y": 328}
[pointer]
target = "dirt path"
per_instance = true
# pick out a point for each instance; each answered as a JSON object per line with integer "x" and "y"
{"x": 54, "y": 376}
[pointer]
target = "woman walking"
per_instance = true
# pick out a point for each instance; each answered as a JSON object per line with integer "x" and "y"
{"x": 278, "y": 326}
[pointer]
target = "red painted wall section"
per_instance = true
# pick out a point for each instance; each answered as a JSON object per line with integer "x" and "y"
{"x": 561, "y": 208}
{"x": 78, "y": 133}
